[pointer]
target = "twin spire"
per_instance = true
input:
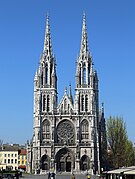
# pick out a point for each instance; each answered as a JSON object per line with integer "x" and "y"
{"x": 84, "y": 40}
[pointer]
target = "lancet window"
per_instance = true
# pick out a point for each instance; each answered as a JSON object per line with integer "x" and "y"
{"x": 46, "y": 74}
{"x": 84, "y": 75}
{"x": 48, "y": 103}
{"x": 82, "y": 102}
{"x": 84, "y": 129}
{"x": 86, "y": 103}
{"x": 44, "y": 103}
{"x": 46, "y": 129}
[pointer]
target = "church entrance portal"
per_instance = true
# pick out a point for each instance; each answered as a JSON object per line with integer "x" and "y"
{"x": 45, "y": 162}
{"x": 64, "y": 160}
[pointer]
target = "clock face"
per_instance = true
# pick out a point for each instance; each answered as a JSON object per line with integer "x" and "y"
{"x": 65, "y": 130}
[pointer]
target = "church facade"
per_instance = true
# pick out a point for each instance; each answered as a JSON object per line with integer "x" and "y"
{"x": 66, "y": 136}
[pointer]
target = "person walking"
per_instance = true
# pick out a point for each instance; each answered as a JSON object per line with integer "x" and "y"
{"x": 49, "y": 175}
{"x": 88, "y": 176}
{"x": 73, "y": 176}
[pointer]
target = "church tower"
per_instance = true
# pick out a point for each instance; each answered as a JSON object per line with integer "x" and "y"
{"x": 45, "y": 99}
{"x": 86, "y": 100}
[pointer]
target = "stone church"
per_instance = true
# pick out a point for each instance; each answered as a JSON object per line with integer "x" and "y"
{"x": 66, "y": 135}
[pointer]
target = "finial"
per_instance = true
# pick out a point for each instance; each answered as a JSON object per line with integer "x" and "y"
{"x": 84, "y": 16}
{"x": 84, "y": 20}
{"x": 70, "y": 93}
{"x": 70, "y": 90}
{"x": 47, "y": 24}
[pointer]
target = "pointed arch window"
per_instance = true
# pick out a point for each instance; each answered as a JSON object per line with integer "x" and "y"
{"x": 44, "y": 103}
{"x": 48, "y": 103}
{"x": 86, "y": 103}
{"x": 46, "y": 129}
{"x": 84, "y": 129}
{"x": 82, "y": 102}
{"x": 46, "y": 74}
{"x": 84, "y": 75}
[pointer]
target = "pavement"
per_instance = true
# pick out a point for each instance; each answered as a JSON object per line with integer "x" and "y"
{"x": 58, "y": 176}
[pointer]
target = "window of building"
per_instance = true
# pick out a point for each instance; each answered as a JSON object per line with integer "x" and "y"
{"x": 82, "y": 102}
{"x": 11, "y": 160}
{"x": 42, "y": 79}
{"x": 12, "y": 155}
{"x": 5, "y": 155}
{"x": 46, "y": 75}
{"x": 22, "y": 162}
{"x": 15, "y": 160}
{"x": 15, "y": 155}
{"x": 8, "y": 160}
{"x": 22, "y": 157}
{"x": 84, "y": 75}
{"x": 85, "y": 126}
{"x": 8, "y": 155}
{"x": 18, "y": 162}
{"x": 5, "y": 161}
{"x": 46, "y": 130}
{"x": 48, "y": 103}
{"x": 86, "y": 103}
{"x": 44, "y": 102}
{"x": 85, "y": 129}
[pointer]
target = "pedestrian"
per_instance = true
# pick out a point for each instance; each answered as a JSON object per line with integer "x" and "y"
{"x": 9, "y": 176}
{"x": 49, "y": 175}
{"x": 88, "y": 176}
{"x": 52, "y": 175}
{"x": 73, "y": 176}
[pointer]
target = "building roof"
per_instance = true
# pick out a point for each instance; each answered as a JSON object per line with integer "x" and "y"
{"x": 125, "y": 170}
{"x": 22, "y": 152}
{"x": 8, "y": 148}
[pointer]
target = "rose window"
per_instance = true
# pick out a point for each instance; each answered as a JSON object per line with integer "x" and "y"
{"x": 65, "y": 131}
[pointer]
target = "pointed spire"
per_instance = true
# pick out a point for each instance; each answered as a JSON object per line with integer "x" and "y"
{"x": 53, "y": 69}
{"x": 47, "y": 42}
{"x": 70, "y": 93}
{"x": 84, "y": 40}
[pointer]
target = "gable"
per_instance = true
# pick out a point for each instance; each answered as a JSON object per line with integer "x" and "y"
{"x": 65, "y": 105}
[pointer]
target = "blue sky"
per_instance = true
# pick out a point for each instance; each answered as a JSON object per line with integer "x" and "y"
{"x": 111, "y": 34}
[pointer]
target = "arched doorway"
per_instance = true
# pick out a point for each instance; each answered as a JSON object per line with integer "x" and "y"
{"x": 45, "y": 162}
{"x": 64, "y": 160}
{"x": 85, "y": 163}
